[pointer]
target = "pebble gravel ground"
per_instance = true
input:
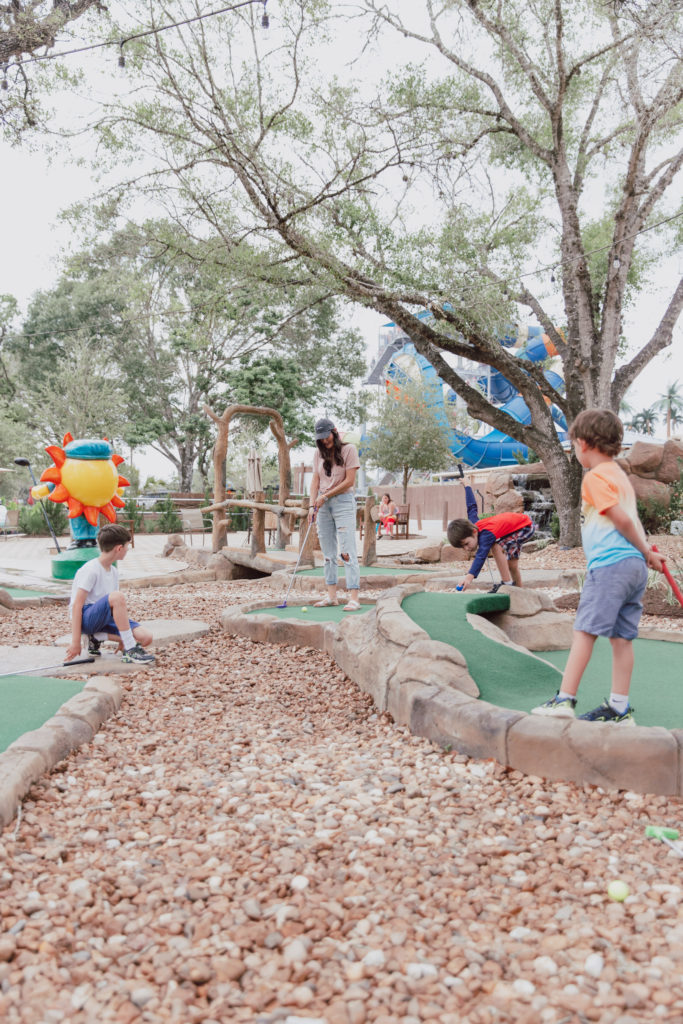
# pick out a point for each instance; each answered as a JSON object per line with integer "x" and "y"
{"x": 248, "y": 840}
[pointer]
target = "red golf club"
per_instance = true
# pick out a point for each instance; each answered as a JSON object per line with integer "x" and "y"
{"x": 670, "y": 580}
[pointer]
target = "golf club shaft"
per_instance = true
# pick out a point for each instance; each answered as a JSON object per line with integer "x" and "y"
{"x": 44, "y": 668}
{"x": 47, "y": 518}
{"x": 670, "y": 580}
{"x": 296, "y": 567}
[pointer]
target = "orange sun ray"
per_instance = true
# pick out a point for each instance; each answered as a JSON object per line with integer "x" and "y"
{"x": 118, "y": 502}
{"x": 52, "y": 475}
{"x": 60, "y": 493}
{"x": 91, "y": 513}
{"x": 56, "y": 454}
{"x": 75, "y": 507}
{"x": 68, "y": 438}
{"x": 117, "y": 459}
{"x": 123, "y": 482}
{"x": 108, "y": 512}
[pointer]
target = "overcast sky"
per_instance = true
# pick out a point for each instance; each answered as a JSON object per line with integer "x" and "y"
{"x": 35, "y": 191}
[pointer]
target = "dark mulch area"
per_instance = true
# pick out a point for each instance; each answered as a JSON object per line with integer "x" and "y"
{"x": 654, "y": 603}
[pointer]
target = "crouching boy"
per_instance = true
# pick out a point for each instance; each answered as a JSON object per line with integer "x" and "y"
{"x": 98, "y": 608}
{"x": 502, "y": 535}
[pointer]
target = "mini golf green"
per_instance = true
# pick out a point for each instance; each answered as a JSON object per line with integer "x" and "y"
{"x": 333, "y": 613}
{"x": 365, "y": 570}
{"x": 519, "y": 681}
{"x": 28, "y": 701}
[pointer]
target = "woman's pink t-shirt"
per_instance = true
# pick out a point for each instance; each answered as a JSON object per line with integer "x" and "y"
{"x": 351, "y": 461}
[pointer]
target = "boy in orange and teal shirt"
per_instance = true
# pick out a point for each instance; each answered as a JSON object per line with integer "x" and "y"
{"x": 618, "y": 557}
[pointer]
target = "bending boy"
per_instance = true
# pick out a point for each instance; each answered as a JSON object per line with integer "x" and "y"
{"x": 502, "y": 535}
{"x": 618, "y": 555}
{"x": 98, "y": 608}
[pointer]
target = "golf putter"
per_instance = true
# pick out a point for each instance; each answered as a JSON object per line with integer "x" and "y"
{"x": 44, "y": 668}
{"x": 298, "y": 561}
{"x": 671, "y": 581}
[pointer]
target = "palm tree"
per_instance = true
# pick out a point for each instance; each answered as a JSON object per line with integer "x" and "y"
{"x": 671, "y": 403}
{"x": 645, "y": 421}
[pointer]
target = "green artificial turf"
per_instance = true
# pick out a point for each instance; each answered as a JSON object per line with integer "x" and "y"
{"x": 656, "y": 687}
{"x": 19, "y": 592}
{"x": 28, "y": 701}
{"x": 519, "y": 681}
{"x": 333, "y": 613}
{"x": 365, "y": 570}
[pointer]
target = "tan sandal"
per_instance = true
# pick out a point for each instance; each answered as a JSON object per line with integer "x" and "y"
{"x": 325, "y": 603}
{"x": 352, "y": 606}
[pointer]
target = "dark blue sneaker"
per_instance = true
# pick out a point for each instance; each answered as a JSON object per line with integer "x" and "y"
{"x": 606, "y": 713}
{"x": 94, "y": 646}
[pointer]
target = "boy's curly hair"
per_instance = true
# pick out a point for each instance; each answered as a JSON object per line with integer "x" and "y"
{"x": 458, "y": 529}
{"x": 600, "y": 429}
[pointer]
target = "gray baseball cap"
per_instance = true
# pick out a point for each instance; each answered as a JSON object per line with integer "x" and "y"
{"x": 323, "y": 428}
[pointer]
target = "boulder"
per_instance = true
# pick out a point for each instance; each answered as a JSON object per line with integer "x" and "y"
{"x": 510, "y": 501}
{"x": 645, "y": 457}
{"x": 451, "y": 554}
{"x": 431, "y": 553}
{"x": 671, "y": 466}
{"x": 651, "y": 492}
{"x": 544, "y": 631}
{"x": 497, "y": 484}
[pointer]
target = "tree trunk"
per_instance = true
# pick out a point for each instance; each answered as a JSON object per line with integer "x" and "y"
{"x": 186, "y": 469}
{"x": 565, "y": 474}
{"x": 406, "y": 478}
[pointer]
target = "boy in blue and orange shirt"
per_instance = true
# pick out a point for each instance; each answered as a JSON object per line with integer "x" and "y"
{"x": 501, "y": 535}
{"x": 618, "y": 557}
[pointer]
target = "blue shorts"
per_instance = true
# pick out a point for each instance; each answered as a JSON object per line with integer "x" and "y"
{"x": 612, "y": 599}
{"x": 97, "y": 618}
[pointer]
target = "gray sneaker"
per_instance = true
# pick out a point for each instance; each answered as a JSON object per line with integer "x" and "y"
{"x": 137, "y": 656}
{"x": 556, "y": 707}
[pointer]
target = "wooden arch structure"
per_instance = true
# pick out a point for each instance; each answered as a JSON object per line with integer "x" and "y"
{"x": 220, "y": 454}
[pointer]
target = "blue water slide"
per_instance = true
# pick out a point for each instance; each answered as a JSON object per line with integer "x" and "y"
{"x": 494, "y": 448}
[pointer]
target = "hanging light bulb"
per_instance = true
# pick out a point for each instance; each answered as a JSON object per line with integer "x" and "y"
{"x": 552, "y": 276}
{"x": 617, "y": 263}
{"x": 122, "y": 59}
{"x": 4, "y": 85}
{"x": 265, "y": 20}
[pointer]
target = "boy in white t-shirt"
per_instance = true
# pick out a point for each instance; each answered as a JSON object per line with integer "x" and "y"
{"x": 98, "y": 608}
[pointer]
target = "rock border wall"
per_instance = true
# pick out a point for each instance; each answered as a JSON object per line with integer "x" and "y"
{"x": 38, "y": 751}
{"x": 425, "y": 685}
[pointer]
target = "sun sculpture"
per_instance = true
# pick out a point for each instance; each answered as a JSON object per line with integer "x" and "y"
{"x": 84, "y": 476}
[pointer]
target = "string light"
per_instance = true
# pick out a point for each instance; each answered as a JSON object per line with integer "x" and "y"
{"x": 265, "y": 22}
{"x": 4, "y": 84}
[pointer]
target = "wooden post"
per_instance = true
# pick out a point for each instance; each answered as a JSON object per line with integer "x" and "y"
{"x": 369, "y": 537}
{"x": 419, "y": 518}
{"x": 307, "y": 557}
{"x": 445, "y": 516}
{"x": 258, "y": 531}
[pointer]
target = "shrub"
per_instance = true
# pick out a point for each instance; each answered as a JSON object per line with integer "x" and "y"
{"x": 555, "y": 526}
{"x": 131, "y": 511}
{"x": 169, "y": 521}
{"x": 32, "y": 521}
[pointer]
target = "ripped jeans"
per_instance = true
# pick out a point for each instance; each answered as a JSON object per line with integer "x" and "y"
{"x": 337, "y": 525}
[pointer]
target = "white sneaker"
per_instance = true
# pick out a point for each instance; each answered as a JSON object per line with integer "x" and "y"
{"x": 556, "y": 707}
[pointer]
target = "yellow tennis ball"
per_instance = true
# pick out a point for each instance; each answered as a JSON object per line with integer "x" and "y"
{"x": 618, "y": 890}
{"x": 304, "y": 609}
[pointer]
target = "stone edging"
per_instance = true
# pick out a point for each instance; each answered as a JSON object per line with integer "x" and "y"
{"x": 425, "y": 685}
{"x": 38, "y": 751}
{"x": 379, "y": 582}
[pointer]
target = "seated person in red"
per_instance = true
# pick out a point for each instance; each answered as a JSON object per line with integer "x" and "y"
{"x": 502, "y": 535}
{"x": 387, "y": 515}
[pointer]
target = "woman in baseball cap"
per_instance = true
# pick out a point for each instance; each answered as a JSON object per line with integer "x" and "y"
{"x": 335, "y": 465}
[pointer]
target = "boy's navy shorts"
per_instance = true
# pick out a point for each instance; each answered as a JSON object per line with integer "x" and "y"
{"x": 97, "y": 618}
{"x": 612, "y": 599}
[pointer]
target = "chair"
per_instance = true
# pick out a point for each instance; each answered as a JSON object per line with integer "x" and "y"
{"x": 269, "y": 526}
{"x": 401, "y": 525}
{"x": 193, "y": 522}
{"x": 4, "y": 522}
